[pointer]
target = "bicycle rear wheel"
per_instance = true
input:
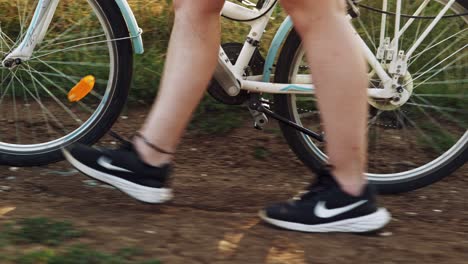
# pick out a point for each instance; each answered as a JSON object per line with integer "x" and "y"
{"x": 410, "y": 146}
{"x": 36, "y": 118}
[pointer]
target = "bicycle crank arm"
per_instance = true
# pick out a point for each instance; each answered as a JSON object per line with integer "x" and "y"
{"x": 257, "y": 106}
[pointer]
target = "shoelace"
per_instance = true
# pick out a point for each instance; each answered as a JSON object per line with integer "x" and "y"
{"x": 324, "y": 182}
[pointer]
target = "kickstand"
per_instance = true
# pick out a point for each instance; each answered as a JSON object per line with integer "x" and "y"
{"x": 256, "y": 105}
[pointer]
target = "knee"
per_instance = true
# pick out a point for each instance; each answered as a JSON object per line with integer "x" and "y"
{"x": 304, "y": 12}
{"x": 198, "y": 7}
{"x": 313, "y": 6}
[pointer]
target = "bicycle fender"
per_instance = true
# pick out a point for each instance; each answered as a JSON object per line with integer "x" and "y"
{"x": 276, "y": 44}
{"x": 133, "y": 29}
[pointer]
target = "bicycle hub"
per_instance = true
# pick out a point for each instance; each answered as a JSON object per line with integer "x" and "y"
{"x": 12, "y": 63}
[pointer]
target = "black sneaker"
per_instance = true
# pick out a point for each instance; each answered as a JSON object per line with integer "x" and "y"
{"x": 326, "y": 208}
{"x": 123, "y": 169}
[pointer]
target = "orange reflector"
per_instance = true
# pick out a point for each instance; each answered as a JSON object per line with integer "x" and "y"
{"x": 82, "y": 89}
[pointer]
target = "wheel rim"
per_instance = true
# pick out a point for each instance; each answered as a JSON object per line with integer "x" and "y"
{"x": 431, "y": 126}
{"x": 34, "y": 109}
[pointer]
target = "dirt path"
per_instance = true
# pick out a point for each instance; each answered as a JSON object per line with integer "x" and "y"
{"x": 218, "y": 193}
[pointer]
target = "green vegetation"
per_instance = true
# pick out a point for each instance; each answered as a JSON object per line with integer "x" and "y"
{"x": 212, "y": 117}
{"x": 52, "y": 238}
{"x": 78, "y": 254}
{"x": 261, "y": 153}
{"x": 42, "y": 231}
{"x": 439, "y": 140}
{"x": 156, "y": 16}
{"x": 76, "y": 18}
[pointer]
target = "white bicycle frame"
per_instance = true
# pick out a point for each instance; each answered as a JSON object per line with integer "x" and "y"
{"x": 388, "y": 51}
{"x": 233, "y": 79}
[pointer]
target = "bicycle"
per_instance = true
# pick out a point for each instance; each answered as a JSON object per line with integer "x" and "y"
{"x": 415, "y": 138}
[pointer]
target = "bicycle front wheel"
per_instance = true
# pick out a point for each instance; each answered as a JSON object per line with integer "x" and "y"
{"x": 417, "y": 143}
{"x": 85, "y": 37}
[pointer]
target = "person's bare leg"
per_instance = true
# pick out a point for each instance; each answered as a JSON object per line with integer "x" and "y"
{"x": 339, "y": 72}
{"x": 190, "y": 63}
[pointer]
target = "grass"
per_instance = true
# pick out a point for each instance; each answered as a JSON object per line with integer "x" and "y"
{"x": 261, "y": 153}
{"x": 212, "y": 117}
{"x": 78, "y": 254}
{"x": 439, "y": 140}
{"x": 53, "y": 238}
{"x": 42, "y": 231}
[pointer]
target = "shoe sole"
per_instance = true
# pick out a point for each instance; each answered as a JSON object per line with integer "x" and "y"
{"x": 141, "y": 193}
{"x": 363, "y": 224}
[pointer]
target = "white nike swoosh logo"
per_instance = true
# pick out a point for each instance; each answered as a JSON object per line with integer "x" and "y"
{"x": 322, "y": 211}
{"x": 107, "y": 163}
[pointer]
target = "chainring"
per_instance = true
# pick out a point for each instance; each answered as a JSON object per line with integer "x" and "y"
{"x": 256, "y": 66}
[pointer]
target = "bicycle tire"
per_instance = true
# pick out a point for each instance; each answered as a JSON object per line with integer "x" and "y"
{"x": 110, "y": 111}
{"x": 299, "y": 145}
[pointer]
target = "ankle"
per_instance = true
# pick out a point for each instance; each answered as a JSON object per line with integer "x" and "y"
{"x": 350, "y": 179}
{"x": 149, "y": 155}
{"x": 355, "y": 190}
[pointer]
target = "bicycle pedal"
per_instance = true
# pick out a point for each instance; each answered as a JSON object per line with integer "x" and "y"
{"x": 260, "y": 119}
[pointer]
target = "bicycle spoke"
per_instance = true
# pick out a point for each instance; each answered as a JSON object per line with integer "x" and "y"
{"x": 86, "y": 107}
{"x": 71, "y": 49}
{"x": 60, "y": 73}
{"x": 374, "y": 37}
{"x": 67, "y": 37}
{"x": 367, "y": 33}
{"x": 429, "y": 117}
{"x": 418, "y": 29}
{"x": 374, "y": 119}
{"x": 27, "y": 109}
{"x": 4, "y": 38}
{"x": 435, "y": 74}
{"x": 71, "y": 41}
{"x": 439, "y": 63}
{"x": 454, "y": 67}
{"x": 67, "y": 110}
{"x": 61, "y": 126}
{"x": 421, "y": 132}
{"x": 68, "y": 77}
{"x": 20, "y": 37}
{"x": 74, "y": 48}
{"x": 77, "y": 63}
{"x": 70, "y": 29}
{"x": 406, "y": 133}
{"x": 458, "y": 96}
{"x": 442, "y": 82}
{"x": 432, "y": 45}
{"x": 440, "y": 110}
{"x": 21, "y": 22}
{"x": 34, "y": 106}
{"x": 44, "y": 114}
{"x": 15, "y": 112}
{"x": 440, "y": 53}
{"x": 450, "y": 109}
{"x": 2, "y": 41}
{"x": 5, "y": 78}
{"x": 6, "y": 90}
{"x": 77, "y": 78}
